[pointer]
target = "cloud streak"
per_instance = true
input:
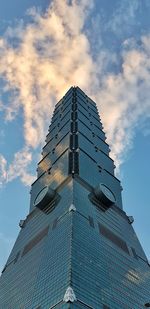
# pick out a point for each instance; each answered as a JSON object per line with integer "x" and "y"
{"x": 39, "y": 61}
{"x": 3, "y": 174}
{"x": 125, "y": 97}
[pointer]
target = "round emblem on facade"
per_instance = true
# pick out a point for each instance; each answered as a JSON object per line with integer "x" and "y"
{"x": 104, "y": 194}
{"x": 44, "y": 197}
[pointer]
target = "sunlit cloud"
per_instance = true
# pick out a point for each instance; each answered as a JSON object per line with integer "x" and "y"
{"x": 40, "y": 60}
{"x": 51, "y": 54}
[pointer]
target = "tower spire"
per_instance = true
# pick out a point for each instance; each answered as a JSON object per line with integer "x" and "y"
{"x": 76, "y": 141}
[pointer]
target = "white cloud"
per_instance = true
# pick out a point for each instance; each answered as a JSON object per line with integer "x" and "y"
{"x": 18, "y": 168}
{"x": 51, "y": 56}
{"x": 124, "y": 98}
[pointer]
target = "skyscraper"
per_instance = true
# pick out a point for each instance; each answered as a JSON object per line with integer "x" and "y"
{"x": 77, "y": 247}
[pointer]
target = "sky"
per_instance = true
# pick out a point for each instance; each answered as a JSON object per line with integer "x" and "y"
{"x": 102, "y": 46}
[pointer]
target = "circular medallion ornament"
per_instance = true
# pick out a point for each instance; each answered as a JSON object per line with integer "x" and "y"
{"x": 104, "y": 194}
{"x": 44, "y": 197}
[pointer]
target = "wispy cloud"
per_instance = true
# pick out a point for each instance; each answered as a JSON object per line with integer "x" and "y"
{"x": 39, "y": 61}
{"x": 125, "y": 97}
{"x": 3, "y": 173}
{"x": 17, "y": 168}
{"x": 125, "y": 16}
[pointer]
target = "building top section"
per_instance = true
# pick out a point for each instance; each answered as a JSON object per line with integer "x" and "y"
{"x": 76, "y": 146}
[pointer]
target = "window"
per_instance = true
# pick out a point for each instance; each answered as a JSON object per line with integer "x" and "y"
{"x": 74, "y": 107}
{"x": 35, "y": 240}
{"x": 17, "y": 257}
{"x": 114, "y": 238}
{"x": 134, "y": 253}
{"x": 54, "y": 223}
{"x": 73, "y": 162}
{"x": 83, "y": 114}
{"x": 91, "y": 221}
{"x": 74, "y": 115}
{"x": 74, "y": 127}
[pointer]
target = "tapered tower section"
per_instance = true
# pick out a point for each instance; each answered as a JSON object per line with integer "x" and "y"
{"x": 76, "y": 248}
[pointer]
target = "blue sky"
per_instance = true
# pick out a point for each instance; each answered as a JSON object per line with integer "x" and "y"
{"x": 102, "y": 46}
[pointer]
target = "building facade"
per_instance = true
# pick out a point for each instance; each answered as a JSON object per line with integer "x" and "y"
{"x": 77, "y": 247}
